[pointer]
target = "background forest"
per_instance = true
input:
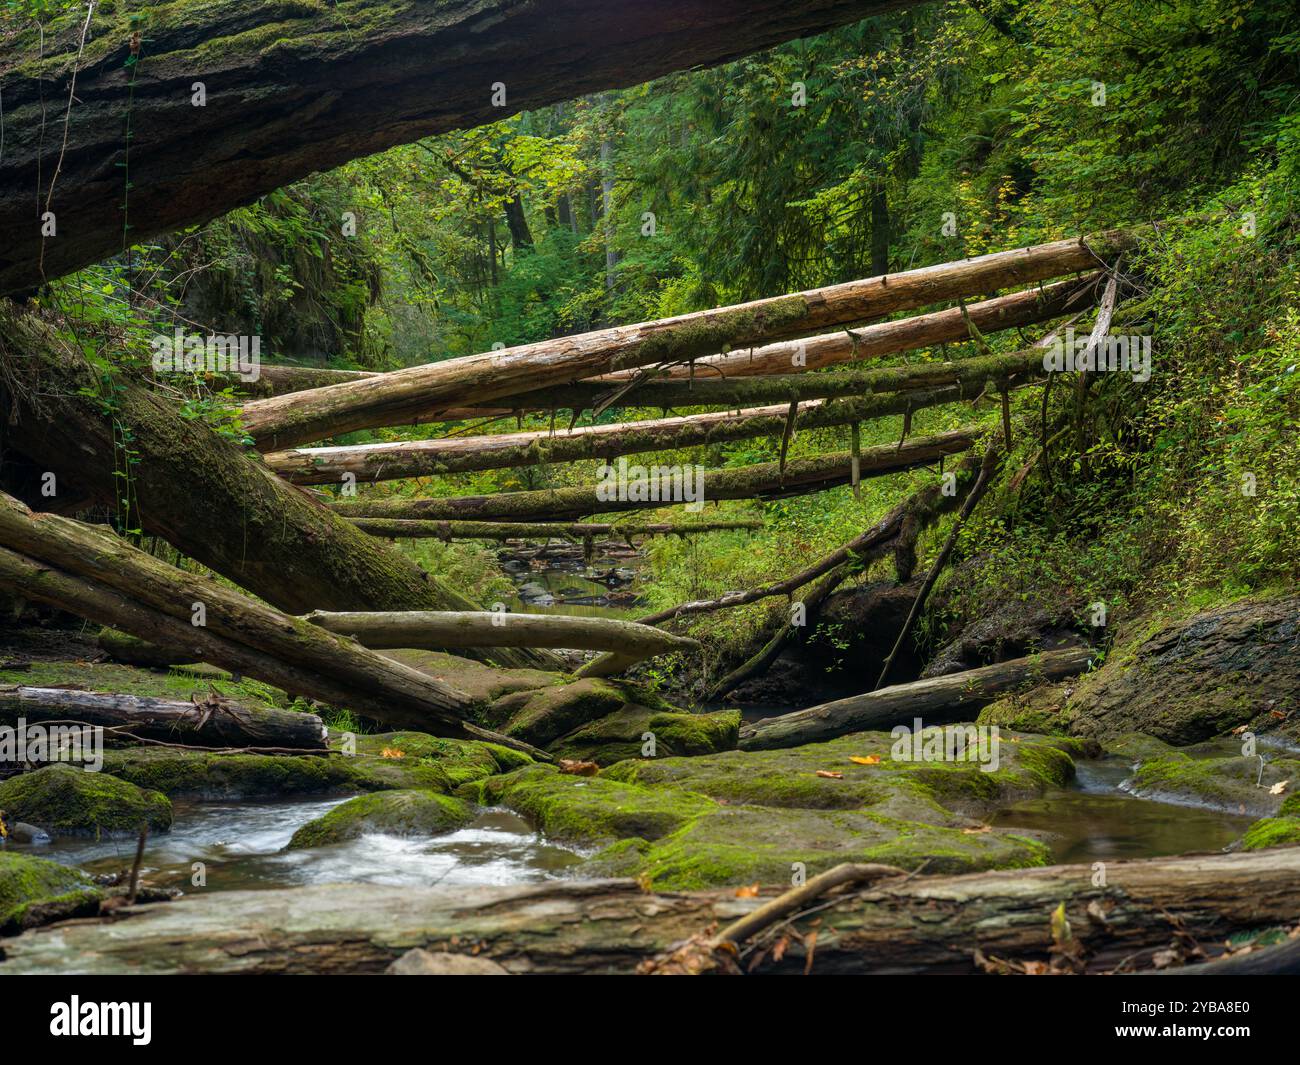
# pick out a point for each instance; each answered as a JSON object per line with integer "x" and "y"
{"x": 917, "y": 138}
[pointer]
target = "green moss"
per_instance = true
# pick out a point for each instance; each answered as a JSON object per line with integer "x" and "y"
{"x": 621, "y": 735}
{"x": 67, "y": 801}
{"x": 1232, "y": 783}
{"x": 543, "y": 716}
{"x": 1272, "y": 832}
{"x": 178, "y": 684}
{"x": 716, "y": 332}
{"x": 27, "y": 883}
{"x": 400, "y": 813}
{"x": 482, "y": 683}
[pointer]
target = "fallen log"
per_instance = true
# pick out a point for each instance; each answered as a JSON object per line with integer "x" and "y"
{"x": 904, "y": 924}
{"x": 934, "y": 700}
{"x": 949, "y": 326}
{"x": 762, "y": 479}
{"x": 433, "y": 629}
{"x": 207, "y": 722}
{"x": 404, "y": 395}
{"x": 303, "y": 88}
{"x": 394, "y": 460}
{"x": 196, "y": 489}
{"x": 396, "y": 528}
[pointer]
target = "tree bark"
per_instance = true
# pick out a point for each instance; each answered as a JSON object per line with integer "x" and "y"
{"x": 906, "y": 924}
{"x": 306, "y": 87}
{"x": 404, "y": 395}
{"x": 214, "y": 724}
{"x": 199, "y": 491}
{"x": 396, "y": 528}
{"x": 761, "y": 480}
{"x": 434, "y": 629}
{"x": 937, "y": 699}
{"x": 394, "y": 460}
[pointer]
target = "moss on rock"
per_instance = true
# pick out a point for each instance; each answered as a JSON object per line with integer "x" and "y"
{"x": 398, "y": 813}
{"x": 483, "y": 683}
{"x": 33, "y": 889}
{"x": 1272, "y": 832}
{"x": 1198, "y": 777}
{"x": 66, "y": 801}
{"x": 544, "y": 715}
{"x": 621, "y": 735}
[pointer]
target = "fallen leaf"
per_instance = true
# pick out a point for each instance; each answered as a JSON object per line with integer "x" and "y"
{"x": 778, "y": 951}
{"x": 1060, "y": 926}
{"x": 747, "y": 891}
{"x": 1279, "y": 787}
{"x": 810, "y": 945}
{"x": 1278, "y": 714}
{"x": 577, "y": 768}
{"x": 829, "y": 774}
{"x": 1240, "y": 729}
{"x": 977, "y": 831}
{"x": 392, "y": 752}
{"x": 871, "y": 759}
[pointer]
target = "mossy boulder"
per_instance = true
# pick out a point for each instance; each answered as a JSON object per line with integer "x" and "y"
{"x": 483, "y": 683}
{"x": 544, "y": 715}
{"x": 1185, "y": 681}
{"x": 622, "y": 735}
{"x": 1272, "y": 832}
{"x": 738, "y": 817}
{"x": 1041, "y": 710}
{"x": 66, "y": 801}
{"x": 389, "y": 761}
{"x": 33, "y": 891}
{"x": 396, "y": 813}
{"x": 1204, "y": 776}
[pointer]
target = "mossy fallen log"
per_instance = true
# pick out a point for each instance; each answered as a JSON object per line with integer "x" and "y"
{"x": 935, "y": 700}
{"x": 903, "y": 924}
{"x": 395, "y": 528}
{"x": 764, "y": 479}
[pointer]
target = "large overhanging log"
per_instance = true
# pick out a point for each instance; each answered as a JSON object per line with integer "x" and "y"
{"x": 207, "y": 722}
{"x": 934, "y": 700}
{"x": 435, "y": 629}
{"x": 295, "y": 88}
{"x": 763, "y": 479}
{"x": 198, "y": 490}
{"x": 904, "y": 924}
{"x": 396, "y": 528}
{"x": 407, "y": 395}
{"x": 353, "y": 675}
{"x": 395, "y": 460}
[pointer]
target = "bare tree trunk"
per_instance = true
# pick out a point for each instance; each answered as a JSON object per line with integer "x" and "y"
{"x": 395, "y": 528}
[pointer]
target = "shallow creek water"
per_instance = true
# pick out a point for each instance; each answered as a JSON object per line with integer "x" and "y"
{"x": 241, "y": 846}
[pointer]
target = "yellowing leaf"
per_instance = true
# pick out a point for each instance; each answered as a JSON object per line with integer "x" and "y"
{"x": 1060, "y": 926}
{"x": 392, "y": 752}
{"x": 747, "y": 891}
{"x": 871, "y": 759}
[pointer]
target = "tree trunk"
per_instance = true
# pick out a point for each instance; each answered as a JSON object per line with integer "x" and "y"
{"x": 402, "y": 395}
{"x": 906, "y": 924}
{"x": 199, "y": 491}
{"x": 879, "y": 229}
{"x": 521, "y": 236}
{"x": 764, "y": 479}
{"x": 395, "y": 460}
{"x": 203, "y": 723}
{"x": 517, "y": 530}
{"x": 305, "y": 87}
{"x": 936, "y": 700}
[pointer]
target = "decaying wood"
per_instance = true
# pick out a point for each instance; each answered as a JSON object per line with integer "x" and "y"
{"x": 395, "y": 528}
{"x": 919, "y": 924}
{"x": 404, "y": 395}
{"x": 199, "y": 491}
{"x": 934, "y": 700}
{"x": 760, "y": 480}
{"x": 207, "y": 721}
{"x": 393, "y": 460}
{"x": 434, "y": 629}
{"x": 297, "y": 88}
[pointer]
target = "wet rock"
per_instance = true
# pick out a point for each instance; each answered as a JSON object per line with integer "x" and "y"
{"x": 1184, "y": 681}
{"x": 34, "y": 891}
{"x": 542, "y": 716}
{"x": 394, "y": 813}
{"x": 1215, "y": 775}
{"x": 625, "y": 733}
{"x": 421, "y": 962}
{"x": 740, "y": 817}
{"x": 65, "y": 801}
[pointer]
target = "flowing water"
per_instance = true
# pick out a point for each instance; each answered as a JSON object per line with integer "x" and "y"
{"x": 241, "y": 845}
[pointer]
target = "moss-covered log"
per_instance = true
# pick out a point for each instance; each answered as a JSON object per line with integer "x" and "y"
{"x": 205, "y": 724}
{"x": 395, "y": 528}
{"x": 393, "y": 460}
{"x": 108, "y": 437}
{"x": 936, "y": 699}
{"x": 407, "y": 395}
{"x": 296, "y": 87}
{"x": 764, "y": 479}
{"x": 904, "y": 924}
